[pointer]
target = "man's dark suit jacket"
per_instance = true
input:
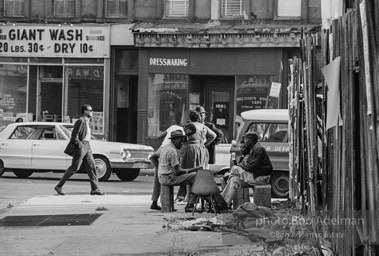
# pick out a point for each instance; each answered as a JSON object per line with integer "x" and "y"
{"x": 79, "y": 132}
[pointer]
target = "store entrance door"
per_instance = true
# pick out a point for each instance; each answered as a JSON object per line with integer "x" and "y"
{"x": 50, "y": 93}
{"x": 127, "y": 101}
{"x": 217, "y": 96}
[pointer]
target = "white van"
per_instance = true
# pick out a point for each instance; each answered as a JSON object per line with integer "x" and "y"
{"x": 272, "y": 128}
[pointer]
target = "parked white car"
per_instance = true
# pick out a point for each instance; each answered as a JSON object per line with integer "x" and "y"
{"x": 38, "y": 147}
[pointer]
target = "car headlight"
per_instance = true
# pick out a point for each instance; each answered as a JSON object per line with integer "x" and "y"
{"x": 125, "y": 154}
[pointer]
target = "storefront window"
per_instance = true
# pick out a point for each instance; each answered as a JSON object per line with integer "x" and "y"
{"x": 252, "y": 92}
{"x": 167, "y": 102}
{"x": 86, "y": 86}
{"x": 13, "y": 89}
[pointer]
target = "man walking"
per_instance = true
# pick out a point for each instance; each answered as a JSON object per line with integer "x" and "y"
{"x": 80, "y": 137}
{"x": 254, "y": 169}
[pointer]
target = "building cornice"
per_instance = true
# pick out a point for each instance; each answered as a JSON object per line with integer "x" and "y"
{"x": 217, "y": 40}
{"x": 236, "y": 37}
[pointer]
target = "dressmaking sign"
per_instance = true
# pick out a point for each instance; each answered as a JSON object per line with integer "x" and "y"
{"x": 55, "y": 41}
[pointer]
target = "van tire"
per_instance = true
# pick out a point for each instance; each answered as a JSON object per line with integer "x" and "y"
{"x": 280, "y": 185}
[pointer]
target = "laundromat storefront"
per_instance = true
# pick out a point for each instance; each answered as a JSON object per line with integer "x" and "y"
{"x": 48, "y": 72}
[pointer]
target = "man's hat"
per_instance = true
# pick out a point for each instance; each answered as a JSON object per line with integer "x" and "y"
{"x": 176, "y": 133}
{"x": 200, "y": 110}
{"x": 252, "y": 135}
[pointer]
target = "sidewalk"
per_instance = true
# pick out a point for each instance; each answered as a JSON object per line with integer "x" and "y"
{"x": 126, "y": 227}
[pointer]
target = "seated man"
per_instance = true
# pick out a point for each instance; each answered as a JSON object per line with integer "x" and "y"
{"x": 253, "y": 169}
{"x": 169, "y": 171}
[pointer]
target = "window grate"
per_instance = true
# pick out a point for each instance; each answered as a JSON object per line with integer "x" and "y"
{"x": 289, "y": 8}
{"x": 177, "y": 8}
{"x": 233, "y": 7}
{"x": 49, "y": 220}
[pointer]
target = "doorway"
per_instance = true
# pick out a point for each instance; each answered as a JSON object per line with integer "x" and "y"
{"x": 50, "y": 93}
{"x": 217, "y": 97}
{"x": 127, "y": 101}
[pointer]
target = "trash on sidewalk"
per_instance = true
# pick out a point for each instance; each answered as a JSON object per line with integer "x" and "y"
{"x": 194, "y": 224}
{"x": 282, "y": 230}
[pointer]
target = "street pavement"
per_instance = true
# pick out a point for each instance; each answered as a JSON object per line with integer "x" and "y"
{"x": 126, "y": 227}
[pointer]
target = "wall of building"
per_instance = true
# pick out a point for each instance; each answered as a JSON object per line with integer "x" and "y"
{"x": 89, "y": 9}
{"x": 202, "y": 9}
{"x": 314, "y": 11}
{"x": 263, "y": 9}
{"x": 149, "y": 10}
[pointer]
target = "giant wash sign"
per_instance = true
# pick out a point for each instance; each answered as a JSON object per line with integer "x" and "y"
{"x": 55, "y": 41}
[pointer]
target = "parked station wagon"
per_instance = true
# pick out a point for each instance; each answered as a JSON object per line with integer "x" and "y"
{"x": 38, "y": 147}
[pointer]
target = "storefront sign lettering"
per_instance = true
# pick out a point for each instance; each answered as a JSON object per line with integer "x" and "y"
{"x": 90, "y": 73}
{"x": 175, "y": 77}
{"x": 168, "y": 62}
{"x": 54, "y": 41}
{"x": 277, "y": 148}
{"x": 252, "y": 92}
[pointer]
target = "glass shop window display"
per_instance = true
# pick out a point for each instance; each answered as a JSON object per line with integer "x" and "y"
{"x": 13, "y": 91}
{"x": 167, "y": 101}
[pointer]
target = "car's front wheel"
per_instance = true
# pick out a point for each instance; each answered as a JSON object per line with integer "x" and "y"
{"x": 280, "y": 185}
{"x": 127, "y": 174}
{"x": 103, "y": 168}
{"x": 23, "y": 173}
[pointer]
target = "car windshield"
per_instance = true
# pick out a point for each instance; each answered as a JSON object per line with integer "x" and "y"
{"x": 67, "y": 129}
{"x": 270, "y": 132}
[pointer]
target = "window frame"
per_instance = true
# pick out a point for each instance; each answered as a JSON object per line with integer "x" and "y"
{"x": 265, "y": 133}
{"x": 20, "y": 130}
{"x": 167, "y": 15}
{"x": 22, "y": 14}
{"x": 224, "y": 14}
{"x": 303, "y": 6}
{"x": 64, "y": 14}
{"x": 159, "y": 88}
{"x": 118, "y": 15}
